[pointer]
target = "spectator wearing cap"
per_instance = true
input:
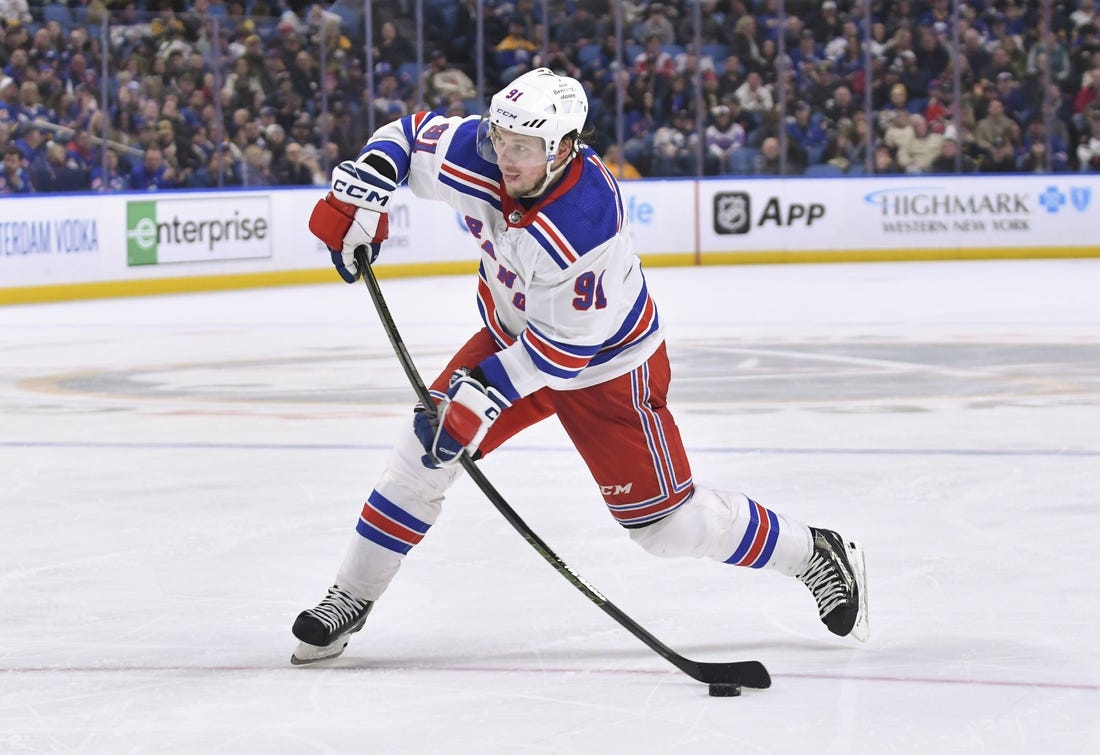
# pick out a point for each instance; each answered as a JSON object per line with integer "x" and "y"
{"x": 1011, "y": 95}
{"x": 442, "y": 81}
{"x": 995, "y": 125}
{"x": 657, "y": 24}
{"x": 940, "y": 103}
{"x": 806, "y": 54}
{"x": 302, "y": 131}
{"x": 819, "y": 83}
{"x": 950, "y": 160}
{"x": 915, "y": 78}
{"x": 1033, "y": 158}
{"x": 826, "y": 23}
{"x": 723, "y": 137}
{"x": 805, "y": 129}
{"x": 31, "y": 143}
{"x": 14, "y": 178}
{"x": 938, "y": 13}
{"x": 674, "y": 147}
{"x": 387, "y": 95}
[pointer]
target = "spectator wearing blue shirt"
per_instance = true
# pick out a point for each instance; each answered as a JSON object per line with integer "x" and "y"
{"x": 14, "y": 178}
{"x": 112, "y": 179}
{"x": 806, "y": 130}
{"x": 54, "y": 174}
{"x": 31, "y": 144}
{"x": 152, "y": 173}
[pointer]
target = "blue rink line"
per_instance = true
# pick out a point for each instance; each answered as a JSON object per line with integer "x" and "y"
{"x": 207, "y": 446}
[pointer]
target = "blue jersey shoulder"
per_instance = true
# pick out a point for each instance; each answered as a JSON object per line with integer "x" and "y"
{"x": 590, "y": 211}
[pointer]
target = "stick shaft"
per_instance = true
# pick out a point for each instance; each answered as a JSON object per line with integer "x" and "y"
{"x": 747, "y": 673}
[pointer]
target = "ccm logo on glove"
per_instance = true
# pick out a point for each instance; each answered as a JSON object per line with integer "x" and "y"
{"x": 364, "y": 187}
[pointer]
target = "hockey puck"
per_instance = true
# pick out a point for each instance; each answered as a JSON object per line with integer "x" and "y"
{"x": 722, "y": 689}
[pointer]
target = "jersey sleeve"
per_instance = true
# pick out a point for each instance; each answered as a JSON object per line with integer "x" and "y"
{"x": 416, "y": 146}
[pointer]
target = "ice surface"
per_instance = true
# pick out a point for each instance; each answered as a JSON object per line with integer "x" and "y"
{"x": 179, "y": 476}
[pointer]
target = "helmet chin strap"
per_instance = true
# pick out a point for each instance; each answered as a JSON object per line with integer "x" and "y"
{"x": 552, "y": 174}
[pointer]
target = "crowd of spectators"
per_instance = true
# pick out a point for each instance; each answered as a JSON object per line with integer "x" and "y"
{"x": 273, "y": 92}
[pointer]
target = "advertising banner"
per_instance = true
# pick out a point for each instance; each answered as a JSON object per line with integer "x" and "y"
{"x": 197, "y": 229}
{"x": 918, "y": 215}
{"x": 249, "y": 237}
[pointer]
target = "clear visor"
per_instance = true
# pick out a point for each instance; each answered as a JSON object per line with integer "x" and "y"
{"x": 505, "y": 148}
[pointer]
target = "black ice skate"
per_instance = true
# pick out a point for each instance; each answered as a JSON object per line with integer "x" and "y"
{"x": 324, "y": 630}
{"x": 838, "y": 580}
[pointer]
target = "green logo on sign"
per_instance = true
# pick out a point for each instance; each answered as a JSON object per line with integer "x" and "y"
{"x": 141, "y": 233}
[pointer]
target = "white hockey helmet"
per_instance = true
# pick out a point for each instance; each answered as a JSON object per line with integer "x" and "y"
{"x": 539, "y": 103}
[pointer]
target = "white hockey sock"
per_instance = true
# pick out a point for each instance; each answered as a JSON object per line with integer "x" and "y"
{"x": 731, "y": 528}
{"x": 403, "y": 506}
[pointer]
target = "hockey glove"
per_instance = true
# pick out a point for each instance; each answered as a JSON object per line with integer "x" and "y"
{"x": 343, "y": 228}
{"x": 461, "y": 421}
{"x": 354, "y": 212}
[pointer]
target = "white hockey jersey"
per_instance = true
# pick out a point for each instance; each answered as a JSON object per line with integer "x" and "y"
{"x": 560, "y": 287}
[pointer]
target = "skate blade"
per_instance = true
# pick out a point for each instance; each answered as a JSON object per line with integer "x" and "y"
{"x": 305, "y": 654}
{"x": 862, "y": 629}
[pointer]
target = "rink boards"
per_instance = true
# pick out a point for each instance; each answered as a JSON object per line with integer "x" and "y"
{"x": 82, "y": 246}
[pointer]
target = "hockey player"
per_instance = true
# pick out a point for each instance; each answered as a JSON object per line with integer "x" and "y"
{"x": 569, "y": 329}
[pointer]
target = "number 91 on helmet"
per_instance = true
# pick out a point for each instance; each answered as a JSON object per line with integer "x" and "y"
{"x": 539, "y": 104}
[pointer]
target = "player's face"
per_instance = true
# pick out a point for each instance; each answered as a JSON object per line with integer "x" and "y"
{"x": 521, "y": 159}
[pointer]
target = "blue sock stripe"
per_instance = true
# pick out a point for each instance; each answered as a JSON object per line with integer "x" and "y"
{"x": 750, "y": 535}
{"x": 769, "y": 546}
{"x": 396, "y": 513}
{"x": 375, "y": 535}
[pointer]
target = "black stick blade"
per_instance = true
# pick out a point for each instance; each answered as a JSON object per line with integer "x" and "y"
{"x": 746, "y": 673}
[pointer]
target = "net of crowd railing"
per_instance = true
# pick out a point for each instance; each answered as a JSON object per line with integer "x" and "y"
{"x": 216, "y": 93}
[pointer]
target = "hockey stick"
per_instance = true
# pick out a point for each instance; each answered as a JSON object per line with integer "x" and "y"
{"x": 743, "y": 673}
